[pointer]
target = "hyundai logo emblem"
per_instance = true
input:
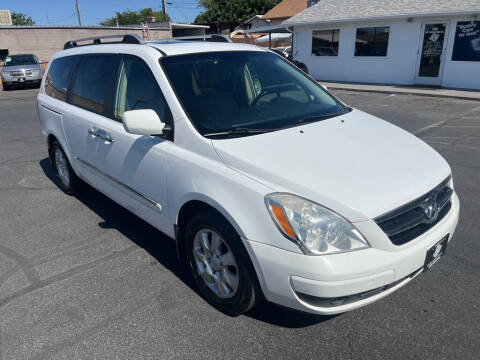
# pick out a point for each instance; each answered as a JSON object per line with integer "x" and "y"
{"x": 438, "y": 249}
{"x": 431, "y": 210}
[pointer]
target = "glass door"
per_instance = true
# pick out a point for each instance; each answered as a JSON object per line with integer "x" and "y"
{"x": 431, "y": 54}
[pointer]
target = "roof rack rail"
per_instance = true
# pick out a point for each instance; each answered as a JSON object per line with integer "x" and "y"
{"x": 96, "y": 40}
{"x": 209, "y": 37}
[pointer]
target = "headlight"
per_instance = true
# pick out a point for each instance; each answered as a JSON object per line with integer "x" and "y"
{"x": 315, "y": 229}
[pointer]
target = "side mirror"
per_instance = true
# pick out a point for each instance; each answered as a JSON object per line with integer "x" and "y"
{"x": 143, "y": 122}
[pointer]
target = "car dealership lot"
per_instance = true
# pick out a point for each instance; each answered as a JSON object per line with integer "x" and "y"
{"x": 82, "y": 277}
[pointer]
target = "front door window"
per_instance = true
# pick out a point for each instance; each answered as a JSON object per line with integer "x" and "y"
{"x": 431, "y": 58}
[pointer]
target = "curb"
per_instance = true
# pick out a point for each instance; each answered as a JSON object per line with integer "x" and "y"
{"x": 406, "y": 92}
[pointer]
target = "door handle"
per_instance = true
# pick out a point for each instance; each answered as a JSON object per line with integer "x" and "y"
{"x": 102, "y": 134}
{"x": 93, "y": 131}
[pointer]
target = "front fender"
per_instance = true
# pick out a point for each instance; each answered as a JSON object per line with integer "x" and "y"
{"x": 195, "y": 196}
{"x": 237, "y": 197}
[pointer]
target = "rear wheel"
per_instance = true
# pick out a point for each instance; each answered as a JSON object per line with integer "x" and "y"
{"x": 219, "y": 264}
{"x": 69, "y": 182}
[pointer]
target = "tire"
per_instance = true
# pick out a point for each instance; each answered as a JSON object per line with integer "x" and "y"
{"x": 244, "y": 292}
{"x": 68, "y": 180}
{"x": 5, "y": 87}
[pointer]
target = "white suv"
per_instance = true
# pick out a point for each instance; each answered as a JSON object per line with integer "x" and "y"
{"x": 270, "y": 186}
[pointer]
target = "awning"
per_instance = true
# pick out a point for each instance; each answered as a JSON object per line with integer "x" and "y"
{"x": 267, "y": 29}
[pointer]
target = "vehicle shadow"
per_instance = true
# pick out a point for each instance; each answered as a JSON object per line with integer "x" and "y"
{"x": 22, "y": 87}
{"x": 163, "y": 249}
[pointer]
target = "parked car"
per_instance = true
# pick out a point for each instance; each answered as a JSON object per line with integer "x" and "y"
{"x": 21, "y": 69}
{"x": 288, "y": 52}
{"x": 324, "y": 51}
{"x": 284, "y": 53}
{"x": 285, "y": 50}
{"x": 270, "y": 186}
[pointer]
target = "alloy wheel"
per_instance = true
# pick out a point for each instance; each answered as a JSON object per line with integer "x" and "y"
{"x": 62, "y": 167}
{"x": 215, "y": 263}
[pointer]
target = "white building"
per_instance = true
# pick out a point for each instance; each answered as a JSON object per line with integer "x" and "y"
{"x": 5, "y": 17}
{"x": 255, "y": 22}
{"x": 391, "y": 41}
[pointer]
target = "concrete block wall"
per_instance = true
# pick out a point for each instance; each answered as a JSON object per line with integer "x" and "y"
{"x": 44, "y": 42}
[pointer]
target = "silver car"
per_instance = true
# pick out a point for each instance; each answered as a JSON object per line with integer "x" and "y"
{"x": 21, "y": 69}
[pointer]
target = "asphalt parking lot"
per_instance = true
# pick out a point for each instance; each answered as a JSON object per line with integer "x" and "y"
{"x": 83, "y": 278}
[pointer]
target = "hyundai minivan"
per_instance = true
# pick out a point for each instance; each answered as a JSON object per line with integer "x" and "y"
{"x": 270, "y": 186}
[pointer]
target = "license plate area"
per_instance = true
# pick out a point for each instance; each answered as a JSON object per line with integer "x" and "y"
{"x": 435, "y": 252}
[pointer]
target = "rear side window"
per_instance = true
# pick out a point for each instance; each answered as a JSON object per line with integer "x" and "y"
{"x": 137, "y": 89}
{"x": 58, "y": 77}
{"x": 92, "y": 79}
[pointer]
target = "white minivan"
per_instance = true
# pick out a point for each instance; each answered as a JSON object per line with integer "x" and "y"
{"x": 271, "y": 187}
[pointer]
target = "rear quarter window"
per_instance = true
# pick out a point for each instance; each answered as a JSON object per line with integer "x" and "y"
{"x": 93, "y": 78}
{"x": 58, "y": 77}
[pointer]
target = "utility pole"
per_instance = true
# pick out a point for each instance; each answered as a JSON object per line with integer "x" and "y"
{"x": 78, "y": 13}
{"x": 164, "y": 10}
{"x": 117, "y": 17}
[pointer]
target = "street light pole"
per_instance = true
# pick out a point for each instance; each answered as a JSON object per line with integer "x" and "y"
{"x": 78, "y": 13}
{"x": 164, "y": 10}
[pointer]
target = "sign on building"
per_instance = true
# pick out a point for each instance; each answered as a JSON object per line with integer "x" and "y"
{"x": 5, "y": 17}
{"x": 467, "y": 41}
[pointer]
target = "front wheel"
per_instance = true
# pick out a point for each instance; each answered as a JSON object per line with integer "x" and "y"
{"x": 219, "y": 264}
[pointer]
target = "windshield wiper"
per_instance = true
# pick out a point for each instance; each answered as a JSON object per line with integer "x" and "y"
{"x": 237, "y": 131}
{"x": 310, "y": 118}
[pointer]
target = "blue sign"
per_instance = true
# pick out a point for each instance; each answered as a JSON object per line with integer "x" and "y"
{"x": 467, "y": 41}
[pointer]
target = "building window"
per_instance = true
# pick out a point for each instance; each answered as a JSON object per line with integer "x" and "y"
{"x": 467, "y": 41}
{"x": 325, "y": 42}
{"x": 372, "y": 41}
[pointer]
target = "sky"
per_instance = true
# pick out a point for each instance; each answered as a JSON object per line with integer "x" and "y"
{"x": 62, "y": 12}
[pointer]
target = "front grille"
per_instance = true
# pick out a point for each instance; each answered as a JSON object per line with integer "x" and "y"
{"x": 21, "y": 73}
{"x": 410, "y": 220}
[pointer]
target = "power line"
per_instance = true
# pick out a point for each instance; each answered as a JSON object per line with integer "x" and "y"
{"x": 60, "y": 20}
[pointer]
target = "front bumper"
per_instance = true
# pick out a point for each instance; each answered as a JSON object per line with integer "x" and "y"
{"x": 21, "y": 80}
{"x": 337, "y": 283}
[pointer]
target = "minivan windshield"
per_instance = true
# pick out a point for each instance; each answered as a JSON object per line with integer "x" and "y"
{"x": 242, "y": 93}
{"x": 16, "y": 60}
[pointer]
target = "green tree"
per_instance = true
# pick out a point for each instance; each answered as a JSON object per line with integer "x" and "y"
{"x": 232, "y": 12}
{"x": 133, "y": 17}
{"x": 21, "y": 19}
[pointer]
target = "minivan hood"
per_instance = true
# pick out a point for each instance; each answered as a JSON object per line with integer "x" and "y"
{"x": 355, "y": 164}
